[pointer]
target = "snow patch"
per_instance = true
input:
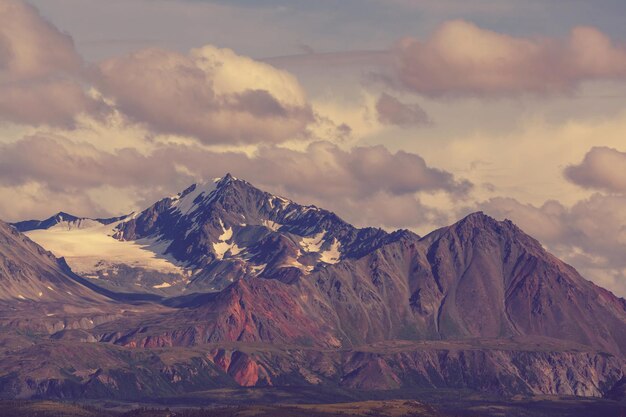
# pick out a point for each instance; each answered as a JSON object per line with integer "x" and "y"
{"x": 332, "y": 255}
{"x": 235, "y": 250}
{"x": 314, "y": 243}
{"x": 228, "y": 233}
{"x": 186, "y": 204}
{"x": 279, "y": 201}
{"x": 256, "y": 269}
{"x": 163, "y": 285}
{"x": 220, "y": 249}
{"x": 294, "y": 262}
{"x": 222, "y": 246}
{"x": 273, "y": 226}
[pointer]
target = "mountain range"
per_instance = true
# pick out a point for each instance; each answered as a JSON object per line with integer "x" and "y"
{"x": 224, "y": 285}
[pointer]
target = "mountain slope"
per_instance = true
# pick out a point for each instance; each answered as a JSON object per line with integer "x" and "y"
{"x": 229, "y": 229}
{"x": 280, "y": 293}
{"x": 90, "y": 250}
{"x": 30, "y": 273}
{"x": 479, "y": 278}
{"x": 476, "y": 279}
{"x": 493, "y": 280}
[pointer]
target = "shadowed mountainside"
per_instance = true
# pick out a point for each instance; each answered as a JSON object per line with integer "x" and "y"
{"x": 282, "y": 294}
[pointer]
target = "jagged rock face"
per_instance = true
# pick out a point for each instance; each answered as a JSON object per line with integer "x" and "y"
{"x": 477, "y": 279}
{"x": 618, "y": 391}
{"x": 30, "y": 273}
{"x": 229, "y": 229}
{"x": 270, "y": 272}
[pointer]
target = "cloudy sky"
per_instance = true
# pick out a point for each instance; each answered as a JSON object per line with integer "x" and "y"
{"x": 393, "y": 113}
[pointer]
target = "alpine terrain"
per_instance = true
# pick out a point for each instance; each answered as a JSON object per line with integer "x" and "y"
{"x": 225, "y": 286}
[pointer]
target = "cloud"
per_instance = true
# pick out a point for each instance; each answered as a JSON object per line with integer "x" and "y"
{"x": 211, "y": 94}
{"x": 36, "y": 201}
{"x": 327, "y": 172}
{"x": 602, "y": 168}
{"x": 356, "y": 182}
{"x": 68, "y": 166}
{"x": 322, "y": 170}
{"x": 392, "y": 111}
{"x": 40, "y": 70}
{"x": 590, "y": 235}
{"x": 316, "y": 61}
{"x": 462, "y": 59}
{"x": 31, "y": 46}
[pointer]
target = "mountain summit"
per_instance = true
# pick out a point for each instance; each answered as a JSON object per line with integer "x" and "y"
{"x": 227, "y": 229}
{"x": 231, "y": 264}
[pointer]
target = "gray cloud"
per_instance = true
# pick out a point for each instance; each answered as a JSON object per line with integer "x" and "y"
{"x": 323, "y": 169}
{"x": 461, "y": 59}
{"x": 211, "y": 94}
{"x": 40, "y": 70}
{"x": 392, "y": 111}
{"x": 602, "y": 168}
{"x": 64, "y": 165}
{"x": 357, "y": 183}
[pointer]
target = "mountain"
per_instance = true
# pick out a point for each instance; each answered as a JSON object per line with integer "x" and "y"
{"x": 476, "y": 279}
{"x": 203, "y": 239}
{"x": 30, "y": 273}
{"x": 90, "y": 250}
{"x": 266, "y": 292}
{"x": 63, "y": 220}
{"x": 229, "y": 229}
{"x": 489, "y": 279}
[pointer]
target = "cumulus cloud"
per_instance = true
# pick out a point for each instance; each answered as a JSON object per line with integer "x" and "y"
{"x": 392, "y": 111}
{"x": 211, "y": 94}
{"x": 590, "y": 235}
{"x": 462, "y": 59}
{"x": 369, "y": 177}
{"x": 323, "y": 169}
{"x": 326, "y": 170}
{"x": 40, "y": 70}
{"x": 37, "y": 201}
{"x": 602, "y": 168}
{"x": 64, "y": 165}
{"x": 31, "y": 46}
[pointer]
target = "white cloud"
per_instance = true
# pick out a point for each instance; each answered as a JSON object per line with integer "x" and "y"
{"x": 211, "y": 94}
{"x": 602, "y": 168}
{"x": 461, "y": 59}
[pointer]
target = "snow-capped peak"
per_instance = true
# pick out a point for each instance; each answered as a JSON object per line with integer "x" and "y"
{"x": 187, "y": 201}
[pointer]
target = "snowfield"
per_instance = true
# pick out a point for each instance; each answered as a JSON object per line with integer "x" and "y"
{"x": 86, "y": 249}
